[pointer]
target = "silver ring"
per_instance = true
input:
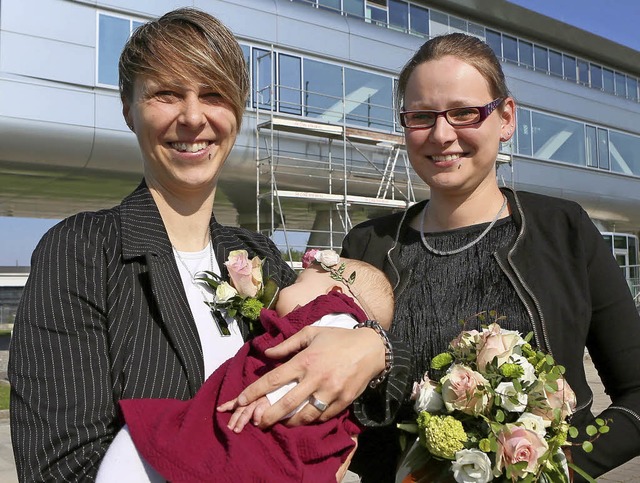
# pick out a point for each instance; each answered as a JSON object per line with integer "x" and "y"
{"x": 318, "y": 404}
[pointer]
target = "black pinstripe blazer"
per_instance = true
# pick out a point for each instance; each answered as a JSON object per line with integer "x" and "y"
{"x": 103, "y": 317}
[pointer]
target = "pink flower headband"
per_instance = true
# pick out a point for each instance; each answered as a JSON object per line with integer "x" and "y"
{"x": 328, "y": 260}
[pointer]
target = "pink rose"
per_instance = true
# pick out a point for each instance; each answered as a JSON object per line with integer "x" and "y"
{"x": 516, "y": 444}
{"x": 496, "y": 343}
{"x": 245, "y": 274}
{"x": 564, "y": 399}
{"x": 463, "y": 390}
{"x": 309, "y": 257}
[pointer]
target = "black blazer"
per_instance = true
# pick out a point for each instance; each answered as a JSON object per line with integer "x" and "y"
{"x": 103, "y": 317}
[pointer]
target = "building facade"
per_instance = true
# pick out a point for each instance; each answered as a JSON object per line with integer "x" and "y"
{"x": 321, "y": 147}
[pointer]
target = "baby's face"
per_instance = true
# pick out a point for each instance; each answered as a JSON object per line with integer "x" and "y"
{"x": 310, "y": 284}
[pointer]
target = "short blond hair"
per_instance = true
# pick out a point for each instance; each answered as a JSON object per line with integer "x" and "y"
{"x": 191, "y": 45}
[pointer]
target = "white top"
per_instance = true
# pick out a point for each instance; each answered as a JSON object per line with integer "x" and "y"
{"x": 215, "y": 348}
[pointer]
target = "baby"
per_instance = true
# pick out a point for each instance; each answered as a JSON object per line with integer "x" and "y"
{"x": 191, "y": 441}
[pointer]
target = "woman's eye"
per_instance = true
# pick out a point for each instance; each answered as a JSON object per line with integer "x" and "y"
{"x": 166, "y": 96}
{"x": 213, "y": 97}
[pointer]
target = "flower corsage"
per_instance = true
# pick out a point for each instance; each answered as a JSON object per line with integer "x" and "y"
{"x": 244, "y": 295}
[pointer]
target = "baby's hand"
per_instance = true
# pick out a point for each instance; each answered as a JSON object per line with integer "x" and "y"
{"x": 243, "y": 414}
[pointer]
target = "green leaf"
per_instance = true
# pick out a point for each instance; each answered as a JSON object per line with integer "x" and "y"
{"x": 573, "y": 432}
{"x": 603, "y": 429}
{"x": 587, "y": 446}
{"x": 500, "y": 416}
{"x": 600, "y": 421}
{"x": 591, "y": 430}
{"x": 352, "y": 278}
{"x": 269, "y": 293}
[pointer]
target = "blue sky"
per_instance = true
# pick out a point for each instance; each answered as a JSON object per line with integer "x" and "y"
{"x": 616, "y": 20}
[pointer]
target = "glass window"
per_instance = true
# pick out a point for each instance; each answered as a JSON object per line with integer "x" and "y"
{"x": 569, "y": 65}
{"x": 621, "y": 84}
{"x": 439, "y": 24}
{"x": 289, "y": 84}
{"x": 368, "y": 101}
{"x": 353, "y": 7}
{"x": 555, "y": 63}
{"x": 329, "y": 4}
{"x": 523, "y": 136}
{"x": 494, "y": 39}
{"x": 510, "y": 49}
{"x": 608, "y": 240}
{"x": 607, "y": 81}
{"x": 541, "y": 58}
{"x": 399, "y": 14}
{"x": 526, "y": 53}
{"x": 633, "y": 251}
{"x": 632, "y": 88}
{"x": 624, "y": 149}
{"x": 603, "y": 149}
{"x": 557, "y": 139}
{"x": 113, "y": 33}
{"x": 620, "y": 241}
{"x": 262, "y": 78}
{"x": 476, "y": 29}
{"x": 457, "y": 25}
{"x": 591, "y": 146}
{"x": 419, "y": 19}
{"x": 596, "y": 76}
{"x": 322, "y": 90}
{"x": 376, "y": 15}
{"x": 583, "y": 72}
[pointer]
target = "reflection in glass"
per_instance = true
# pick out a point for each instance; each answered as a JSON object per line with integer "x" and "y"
{"x": 289, "y": 84}
{"x": 510, "y": 48}
{"x": 353, "y": 7}
{"x": 632, "y": 88}
{"x": 558, "y": 139}
{"x": 526, "y": 53}
{"x": 541, "y": 58}
{"x": 569, "y": 65}
{"x": 399, "y": 15}
{"x": 112, "y": 35}
{"x": 495, "y": 42}
{"x": 329, "y": 4}
{"x": 603, "y": 149}
{"x": 376, "y": 15}
{"x": 596, "y": 76}
{"x": 592, "y": 146}
{"x": 439, "y": 23}
{"x": 607, "y": 81}
{"x": 583, "y": 72}
{"x": 262, "y": 78}
{"x": 621, "y": 84}
{"x": 457, "y": 24}
{"x": 523, "y": 137}
{"x": 368, "y": 100}
{"x": 476, "y": 29}
{"x": 322, "y": 90}
{"x": 419, "y": 19}
{"x": 555, "y": 63}
{"x": 624, "y": 150}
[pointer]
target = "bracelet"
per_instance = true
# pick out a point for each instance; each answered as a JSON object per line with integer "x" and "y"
{"x": 388, "y": 350}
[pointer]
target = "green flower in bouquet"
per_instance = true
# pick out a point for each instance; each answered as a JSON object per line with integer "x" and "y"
{"x": 441, "y": 435}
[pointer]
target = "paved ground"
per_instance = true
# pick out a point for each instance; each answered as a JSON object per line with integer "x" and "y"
{"x": 629, "y": 472}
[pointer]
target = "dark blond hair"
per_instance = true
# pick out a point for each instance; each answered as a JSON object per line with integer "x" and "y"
{"x": 189, "y": 45}
{"x": 465, "y": 47}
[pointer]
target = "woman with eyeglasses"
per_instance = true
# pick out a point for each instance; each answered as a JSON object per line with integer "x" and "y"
{"x": 474, "y": 247}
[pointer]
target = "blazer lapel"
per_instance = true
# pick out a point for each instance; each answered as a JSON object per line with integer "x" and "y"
{"x": 144, "y": 235}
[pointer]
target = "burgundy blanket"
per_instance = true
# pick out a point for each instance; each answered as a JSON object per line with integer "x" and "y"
{"x": 189, "y": 440}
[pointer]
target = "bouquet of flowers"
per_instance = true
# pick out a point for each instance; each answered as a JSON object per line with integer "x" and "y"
{"x": 245, "y": 294}
{"x": 499, "y": 412}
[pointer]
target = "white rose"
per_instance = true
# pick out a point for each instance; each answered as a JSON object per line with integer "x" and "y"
{"x": 426, "y": 396}
{"x": 529, "y": 375}
{"x": 224, "y": 292}
{"x": 507, "y": 392}
{"x": 328, "y": 258}
{"x": 471, "y": 465}
{"x": 532, "y": 422}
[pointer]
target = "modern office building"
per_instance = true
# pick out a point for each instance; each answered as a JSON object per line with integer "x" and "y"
{"x": 320, "y": 147}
